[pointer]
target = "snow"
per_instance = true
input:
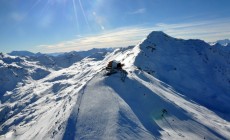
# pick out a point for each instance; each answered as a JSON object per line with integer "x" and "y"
{"x": 69, "y": 97}
{"x": 107, "y": 116}
{"x": 189, "y": 66}
{"x": 223, "y": 42}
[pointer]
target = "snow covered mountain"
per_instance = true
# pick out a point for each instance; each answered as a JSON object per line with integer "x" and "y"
{"x": 82, "y": 54}
{"x": 21, "y": 53}
{"x": 15, "y": 70}
{"x": 223, "y": 42}
{"x": 174, "y": 89}
{"x": 62, "y": 60}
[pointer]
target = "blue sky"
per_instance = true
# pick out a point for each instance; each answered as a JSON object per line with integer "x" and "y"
{"x": 66, "y": 25}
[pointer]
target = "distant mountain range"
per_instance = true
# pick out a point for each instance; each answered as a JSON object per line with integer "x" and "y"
{"x": 81, "y": 53}
{"x": 223, "y": 42}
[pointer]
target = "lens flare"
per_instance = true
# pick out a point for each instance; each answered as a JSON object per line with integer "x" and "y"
{"x": 76, "y": 15}
{"x": 83, "y": 12}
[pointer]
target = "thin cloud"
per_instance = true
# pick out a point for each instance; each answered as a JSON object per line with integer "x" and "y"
{"x": 115, "y": 38}
{"x": 16, "y": 16}
{"x": 138, "y": 11}
{"x": 205, "y": 30}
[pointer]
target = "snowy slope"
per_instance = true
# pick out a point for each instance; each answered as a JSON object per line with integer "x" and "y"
{"x": 16, "y": 70}
{"x": 188, "y": 79}
{"x": 193, "y": 67}
{"x": 119, "y": 110}
{"x": 40, "y": 108}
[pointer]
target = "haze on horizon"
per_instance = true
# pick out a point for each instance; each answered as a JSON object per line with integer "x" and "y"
{"x": 66, "y": 25}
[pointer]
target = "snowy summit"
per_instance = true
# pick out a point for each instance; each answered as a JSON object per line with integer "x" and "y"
{"x": 164, "y": 88}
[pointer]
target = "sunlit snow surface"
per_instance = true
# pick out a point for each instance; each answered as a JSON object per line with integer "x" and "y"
{"x": 187, "y": 78}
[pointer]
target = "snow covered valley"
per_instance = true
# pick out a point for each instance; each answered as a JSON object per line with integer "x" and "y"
{"x": 174, "y": 89}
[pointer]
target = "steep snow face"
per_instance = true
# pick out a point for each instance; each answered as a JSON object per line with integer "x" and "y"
{"x": 193, "y": 67}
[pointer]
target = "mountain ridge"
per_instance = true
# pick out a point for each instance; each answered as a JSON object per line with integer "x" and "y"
{"x": 169, "y": 90}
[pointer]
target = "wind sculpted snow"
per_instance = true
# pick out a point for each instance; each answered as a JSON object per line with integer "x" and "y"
{"x": 174, "y": 89}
